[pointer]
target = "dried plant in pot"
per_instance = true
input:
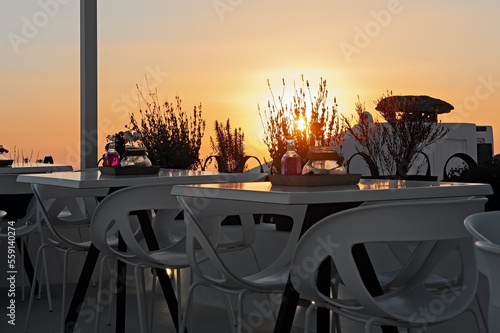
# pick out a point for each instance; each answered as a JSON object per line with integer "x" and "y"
{"x": 228, "y": 149}
{"x": 172, "y": 138}
{"x": 390, "y": 149}
{"x": 295, "y": 119}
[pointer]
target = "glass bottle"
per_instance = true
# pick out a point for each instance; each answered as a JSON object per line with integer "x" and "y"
{"x": 112, "y": 158}
{"x": 290, "y": 162}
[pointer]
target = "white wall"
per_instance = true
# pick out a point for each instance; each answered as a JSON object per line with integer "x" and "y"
{"x": 461, "y": 138}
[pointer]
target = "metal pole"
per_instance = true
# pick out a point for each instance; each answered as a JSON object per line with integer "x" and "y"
{"x": 88, "y": 84}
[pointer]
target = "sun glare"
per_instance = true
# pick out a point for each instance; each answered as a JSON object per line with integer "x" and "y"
{"x": 301, "y": 124}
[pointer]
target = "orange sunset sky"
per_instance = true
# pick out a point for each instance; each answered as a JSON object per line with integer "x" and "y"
{"x": 221, "y": 53}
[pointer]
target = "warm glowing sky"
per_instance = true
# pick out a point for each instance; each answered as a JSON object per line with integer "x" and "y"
{"x": 445, "y": 49}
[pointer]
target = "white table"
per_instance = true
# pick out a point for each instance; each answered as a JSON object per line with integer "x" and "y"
{"x": 19, "y": 168}
{"x": 366, "y": 190}
{"x": 323, "y": 201}
{"x": 92, "y": 178}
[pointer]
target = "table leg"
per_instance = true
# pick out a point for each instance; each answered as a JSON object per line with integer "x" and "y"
{"x": 121, "y": 287}
{"x": 81, "y": 289}
{"x": 289, "y": 302}
{"x": 369, "y": 277}
{"x": 163, "y": 278}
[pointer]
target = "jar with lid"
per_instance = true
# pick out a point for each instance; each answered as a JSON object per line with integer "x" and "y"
{"x": 135, "y": 156}
{"x": 324, "y": 161}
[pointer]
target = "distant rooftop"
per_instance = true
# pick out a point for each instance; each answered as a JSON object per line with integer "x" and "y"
{"x": 420, "y": 106}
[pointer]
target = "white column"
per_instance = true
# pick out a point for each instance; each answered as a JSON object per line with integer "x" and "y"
{"x": 88, "y": 84}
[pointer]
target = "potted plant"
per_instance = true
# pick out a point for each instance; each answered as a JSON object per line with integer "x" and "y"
{"x": 484, "y": 172}
{"x": 281, "y": 120}
{"x": 228, "y": 149}
{"x": 171, "y": 137}
{"x": 391, "y": 148}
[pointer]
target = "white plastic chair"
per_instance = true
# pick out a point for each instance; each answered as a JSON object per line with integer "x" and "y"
{"x": 485, "y": 228}
{"x": 114, "y": 215}
{"x": 491, "y": 254}
{"x": 24, "y": 227}
{"x": 59, "y": 208}
{"x": 437, "y": 225}
{"x": 271, "y": 279}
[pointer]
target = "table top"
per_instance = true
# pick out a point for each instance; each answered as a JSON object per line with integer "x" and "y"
{"x": 92, "y": 178}
{"x": 19, "y": 168}
{"x": 365, "y": 190}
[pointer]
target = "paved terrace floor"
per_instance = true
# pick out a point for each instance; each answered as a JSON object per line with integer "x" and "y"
{"x": 207, "y": 318}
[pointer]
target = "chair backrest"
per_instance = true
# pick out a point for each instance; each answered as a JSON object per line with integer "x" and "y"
{"x": 61, "y": 207}
{"x": 484, "y": 226}
{"x": 10, "y": 186}
{"x": 22, "y": 226}
{"x": 199, "y": 213}
{"x": 436, "y": 224}
{"x": 114, "y": 215}
{"x": 491, "y": 254}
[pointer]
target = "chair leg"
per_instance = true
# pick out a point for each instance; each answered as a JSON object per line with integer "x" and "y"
{"x": 241, "y": 296}
{"x": 139, "y": 285}
{"x": 481, "y": 325}
{"x": 22, "y": 275}
{"x": 229, "y": 308}
{"x": 47, "y": 283}
{"x": 153, "y": 292}
{"x": 307, "y": 322}
{"x": 368, "y": 325}
{"x": 189, "y": 298}
{"x": 335, "y": 316}
{"x": 112, "y": 290}
{"x": 32, "y": 293}
{"x": 99, "y": 293}
{"x": 65, "y": 278}
{"x": 230, "y": 312}
{"x": 178, "y": 280}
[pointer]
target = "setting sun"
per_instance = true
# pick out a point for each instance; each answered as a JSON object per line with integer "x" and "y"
{"x": 301, "y": 124}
